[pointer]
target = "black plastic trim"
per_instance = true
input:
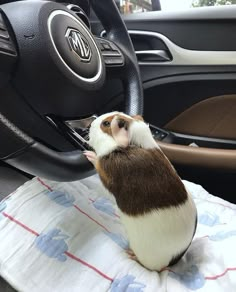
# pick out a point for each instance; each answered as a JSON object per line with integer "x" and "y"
{"x": 191, "y": 140}
{"x": 216, "y": 143}
{"x": 182, "y": 77}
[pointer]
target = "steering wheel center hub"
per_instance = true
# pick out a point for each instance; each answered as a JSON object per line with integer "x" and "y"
{"x": 75, "y": 46}
{"x": 79, "y": 45}
{"x": 59, "y": 60}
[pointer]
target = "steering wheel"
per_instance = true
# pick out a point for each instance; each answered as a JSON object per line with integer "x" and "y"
{"x": 54, "y": 69}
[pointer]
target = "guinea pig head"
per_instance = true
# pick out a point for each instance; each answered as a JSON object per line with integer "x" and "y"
{"x": 108, "y": 132}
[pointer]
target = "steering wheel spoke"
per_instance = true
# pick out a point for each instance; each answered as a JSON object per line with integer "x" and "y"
{"x": 77, "y": 131}
{"x": 112, "y": 55}
{"x": 8, "y": 53}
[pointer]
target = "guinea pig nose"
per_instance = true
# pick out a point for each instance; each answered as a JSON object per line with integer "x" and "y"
{"x": 121, "y": 123}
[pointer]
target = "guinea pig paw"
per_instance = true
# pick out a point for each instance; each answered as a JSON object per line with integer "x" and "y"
{"x": 91, "y": 156}
{"x": 131, "y": 255}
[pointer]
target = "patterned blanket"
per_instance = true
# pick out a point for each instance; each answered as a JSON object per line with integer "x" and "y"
{"x": 68, "y": 237}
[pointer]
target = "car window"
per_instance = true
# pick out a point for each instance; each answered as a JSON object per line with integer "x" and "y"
{"x": 137, "y": 6}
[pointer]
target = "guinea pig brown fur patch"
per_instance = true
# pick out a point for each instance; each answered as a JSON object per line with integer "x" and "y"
{"x": 138, "y": 117}
{"x": 153, "y": 184}
{"x": 106, "y": 125}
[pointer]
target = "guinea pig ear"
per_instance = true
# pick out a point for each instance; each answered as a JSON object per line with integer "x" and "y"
{"x": 138, "y": 117}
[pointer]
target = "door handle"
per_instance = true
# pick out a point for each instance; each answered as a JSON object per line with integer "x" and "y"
{"x": 150, "y": 56}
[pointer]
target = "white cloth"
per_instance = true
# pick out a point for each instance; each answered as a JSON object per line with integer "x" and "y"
{"x": 67, "y": 237}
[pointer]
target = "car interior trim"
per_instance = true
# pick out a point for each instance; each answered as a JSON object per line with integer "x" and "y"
{"x": 181, "y": 56}
{"x": 193, "y": 77}
{"x": 219, "y": 159}
{"x": 200, "y": 13}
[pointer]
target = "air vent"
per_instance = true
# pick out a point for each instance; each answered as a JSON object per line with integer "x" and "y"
{"x": 80, "y": 13}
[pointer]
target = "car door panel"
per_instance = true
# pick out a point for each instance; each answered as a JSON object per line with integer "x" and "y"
{"x": 184, "y": 58}
{"x": 188, "y": 67}
{"x": 199, "y": 63}
{"x": 167, "y": 99}
{"x": 203, "y": 29}
{"x": 217, "y": 120}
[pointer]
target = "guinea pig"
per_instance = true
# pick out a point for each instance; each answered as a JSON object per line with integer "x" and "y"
{"x": 158, "y": 213}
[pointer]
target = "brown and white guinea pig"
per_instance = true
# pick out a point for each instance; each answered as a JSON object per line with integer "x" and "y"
{"x": 158, "y": 213}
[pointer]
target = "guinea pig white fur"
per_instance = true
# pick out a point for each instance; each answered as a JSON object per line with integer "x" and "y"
{"x": 158, "y": 213}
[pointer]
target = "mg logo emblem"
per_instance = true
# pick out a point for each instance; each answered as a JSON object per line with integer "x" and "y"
{"x": 78, "y": 44}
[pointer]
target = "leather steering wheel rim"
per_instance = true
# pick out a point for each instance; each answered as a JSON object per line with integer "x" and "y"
{"x": 35, "y": 157}
{"x": 117, "y": 32}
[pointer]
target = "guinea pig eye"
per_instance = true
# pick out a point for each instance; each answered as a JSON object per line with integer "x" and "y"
{"x": 106, "y": 124}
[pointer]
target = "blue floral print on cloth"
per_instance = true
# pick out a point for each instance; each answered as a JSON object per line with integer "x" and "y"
{"x": 221, "y": 235}
{"x": 118, "y": 239}
{"x": 61, "y": 198}
{"x": 53, "y": 244}
{"x": 191, "y": 278}
{"x": 105, "y": 205}
{"x": 209, "y": 219}
{"x": 127, "y": 284}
